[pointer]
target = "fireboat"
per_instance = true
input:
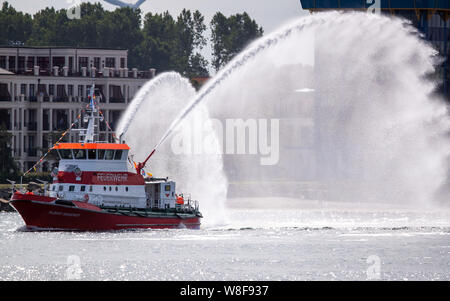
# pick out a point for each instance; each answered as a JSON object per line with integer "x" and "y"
{"x": 93, "y": 189}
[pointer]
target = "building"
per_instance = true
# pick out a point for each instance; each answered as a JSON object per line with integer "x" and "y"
{"x": 431, "y": 17}
{"x": 42, "y": 91}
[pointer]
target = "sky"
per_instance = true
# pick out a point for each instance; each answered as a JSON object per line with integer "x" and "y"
{"x": 270, "y": 14}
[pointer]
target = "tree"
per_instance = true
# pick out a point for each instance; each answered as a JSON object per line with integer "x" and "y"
{"x": 8, "y": 167}
{"x": 15, "y": 26}
{"x": 174, "y": 45}
{"x": 159, "y": 42}
{"x": 231, "y": 35}
{"x": 191, "y": 40}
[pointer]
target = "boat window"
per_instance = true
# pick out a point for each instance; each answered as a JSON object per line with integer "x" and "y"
{"x": 71, "y": 188}
{"x": 126, "y": 188}
{"x": 57, "y": 153}
{"x": 79, "y": 154}
{"x": 167, "y": 188}
{"x": 109, "y": 188}
{"x": 118, "y": 155}
{"x": 83, "y": 188}
{"x": 61, "y": 187}
{"x": 92, "y": 154}
{"x": 104, "y": 188}
{"x": 101, "y": 154}
{"x": 109, "y": 154}
{"x": 66, "y": 153}
{"x": 117, "y": 188}
{"x": 90, "y": 188}
{"x": 53, "y": 187}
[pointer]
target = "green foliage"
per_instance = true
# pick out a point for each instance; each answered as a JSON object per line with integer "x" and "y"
{"x": 15, "y": 26}
{"x": 8, "y": 167}
{"x": 231, "y": 35}
{"x": 157, "y": 41}
{"x": 174, "y": 45}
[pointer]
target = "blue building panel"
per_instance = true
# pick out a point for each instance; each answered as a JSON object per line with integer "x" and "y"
{"x": 431, "y": 17}
{"x": 385, "y": 4}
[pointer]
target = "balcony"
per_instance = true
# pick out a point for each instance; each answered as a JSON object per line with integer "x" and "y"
{"x": 31, "y": 152}
{"x": 116, "y": 100}
{"x": 60, "y": 99}
{"x": 31, "y": 126}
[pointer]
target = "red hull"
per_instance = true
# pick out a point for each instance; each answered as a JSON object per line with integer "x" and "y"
{"x": 50, "y": 216}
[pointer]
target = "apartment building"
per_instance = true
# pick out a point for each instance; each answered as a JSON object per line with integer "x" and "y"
{"x": 44, "y": 89}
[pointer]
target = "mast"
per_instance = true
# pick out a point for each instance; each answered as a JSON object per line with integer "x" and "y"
{"x": 90, "y": 134}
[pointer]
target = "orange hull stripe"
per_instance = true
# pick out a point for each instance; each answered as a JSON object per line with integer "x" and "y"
{"x": 90, "y": 146}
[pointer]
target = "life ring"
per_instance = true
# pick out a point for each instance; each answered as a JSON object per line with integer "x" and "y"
{"x": 86, "y": 198}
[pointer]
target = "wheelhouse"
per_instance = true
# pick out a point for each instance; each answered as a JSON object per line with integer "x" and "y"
{"x": 92, "y": 151}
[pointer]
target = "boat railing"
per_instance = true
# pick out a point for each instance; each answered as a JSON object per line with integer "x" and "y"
{"x": 189, "y": 205}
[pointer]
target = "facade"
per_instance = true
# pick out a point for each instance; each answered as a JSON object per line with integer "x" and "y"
{"x": 431, "y": 17}
{"x": 42, "y": 91}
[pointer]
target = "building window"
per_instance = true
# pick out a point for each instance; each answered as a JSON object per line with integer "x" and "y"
{"x": 122, "y": 62}
{"x": 43, "y": 62}
{"x": 97, "y": 62}
{"x": 70, "y": 90}
{"x": 12, "y": 62}
{"x": 21, "y": 63}
{"x": 111, "y": 62}
{"x": 30, "y": 62}
{"x": 80, "y": 90}
{"x": 3, "y": 62}
{"x": 32, "y": 93}
{"x": 51, "y": 90}
{"x": 23, "y": 89}
{"x": 83, "y": 61}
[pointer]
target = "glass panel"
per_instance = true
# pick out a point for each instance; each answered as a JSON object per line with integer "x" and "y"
{"x": 101, "y": 154}
{"x": 79, "y": 154}
{"x": 83, "y": 188}
{"x": 92, "y": 154}
{"x": 66, "y": 153}
{"x": 118, "y": 155}
{"x": 109, "y": 154}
